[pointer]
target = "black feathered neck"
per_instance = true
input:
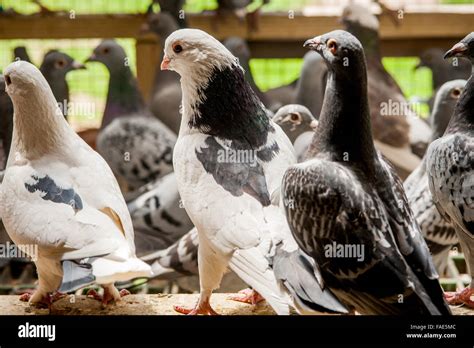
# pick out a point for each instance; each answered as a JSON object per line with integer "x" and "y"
{"x": 463, "y": 116}
{"x": 344, "y": 129}
{"x": 230, "y": 109}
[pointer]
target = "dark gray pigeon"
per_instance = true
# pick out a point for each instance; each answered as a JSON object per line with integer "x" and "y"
{"x": 312, "y": 83}
{"x": 239, "y": 48}
{"x": 450, "y": 167}
{"x": 439, "y": 234}
{"x": 137, "y": 146}
{"x": 398, "y": 132}
{"x": 442, "y": 70}
{"x": 54, "y": 68}
{"x": 21, "y": 53}
{"x": 299, "y": 124}
{"x": 166, "y": 93}
{"x": 174, "y": 8}
{"x": 346, "y": 207}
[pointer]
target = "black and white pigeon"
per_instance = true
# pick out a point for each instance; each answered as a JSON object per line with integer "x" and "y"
{"x": 400, "y": 134}
{"x": 234, "y": 201}
{"x": 450, "y": 168}
{"x": 137, "y": 146}
{"x": 439, "y": 234}
{"x": 299, "y": 125}
{"x": 312, "y": 83}
{"x": 166, "y": 93}
{"x": 349, "y": 211}
{"x": 158, "y": 216}
{"x": 179, "y": 263}
{"x": 60, "y": 196}
{"x": 442, "y": 70}
{"x": 54, "y": 68}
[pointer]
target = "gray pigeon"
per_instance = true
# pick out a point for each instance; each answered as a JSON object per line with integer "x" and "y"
{"x": 450, "y": 168}
{"x": 312, "y": 83}
{"x": 54, "y": 68}
{"x": 137, "y": 146}
{"x": 442, "y": 70}
{"x": 398, "y": 132}
{"x": 439, "y": 234}
{"x": 158, "y": 216}
{"x": 299, "y": 125}
{"x": 346, "y": 207}
{"x": 166, "y": 93}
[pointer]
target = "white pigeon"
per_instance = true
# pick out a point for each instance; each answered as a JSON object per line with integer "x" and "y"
{"x": 229, "y": 161}
{"x": 61, "y": 196}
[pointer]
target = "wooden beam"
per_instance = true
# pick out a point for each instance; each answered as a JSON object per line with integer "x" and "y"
{"x": 272, "y": 26}
{"x": 147, "y": 53}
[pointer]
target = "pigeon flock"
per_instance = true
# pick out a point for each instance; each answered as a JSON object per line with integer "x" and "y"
{"x": 308, "y": 196}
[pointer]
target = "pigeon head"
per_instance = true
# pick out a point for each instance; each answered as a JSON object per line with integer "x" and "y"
{"x": 444, "y": 103}
{"x": 23, "y": 79}
{"x": 194, "y": 54}
{"x": 109, "y": 53}
{"x": 295, "y": 119}
{"x": 464, "y": 48}
{"x": 238, "y": 47}
{"x": 56, "y": 63}
{"x": 341, "y": 51}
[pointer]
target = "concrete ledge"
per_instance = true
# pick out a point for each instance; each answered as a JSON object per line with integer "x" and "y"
{"x": 160, "y": 304}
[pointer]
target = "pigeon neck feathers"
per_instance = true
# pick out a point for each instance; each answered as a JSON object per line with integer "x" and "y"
{"x": 226, "y": 107}
{"x": 344, "y": 129}
{"x": 463, "y": 118}
{"x": 124, "y": 97}
{"x": 39, "y": 125}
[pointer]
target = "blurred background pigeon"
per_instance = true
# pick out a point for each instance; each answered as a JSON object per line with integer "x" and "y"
{"x": 137, "y": 146}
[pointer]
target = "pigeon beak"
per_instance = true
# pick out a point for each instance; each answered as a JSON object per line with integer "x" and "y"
{"x": 76, "y": 65}
{"x": 92, "y": 58}
{"x": 458, "y": 50}
{"x": 314, "y": 124}
{"x": 165, "y": 63}
{"x": 313, "y": 43}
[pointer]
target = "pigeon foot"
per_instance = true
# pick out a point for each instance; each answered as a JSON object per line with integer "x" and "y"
{"x": 461, "y": 297}
{"x": 247, "y": 296}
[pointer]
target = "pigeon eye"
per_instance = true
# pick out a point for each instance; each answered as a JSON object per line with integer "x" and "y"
{"x": 294, "y": 117}
{"x": 456, "y": 93}
{"x": 60, "y": 64}
{"x": 8, "y": 80}
{"x": 105, "y": 50}
{"x": 332, "y": 45}
{"x": 177, "y": 48}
